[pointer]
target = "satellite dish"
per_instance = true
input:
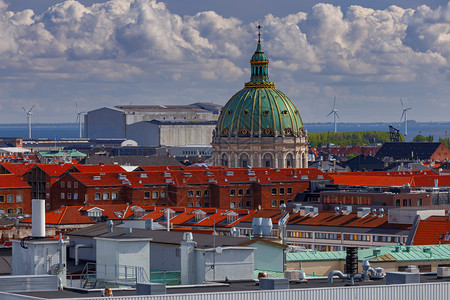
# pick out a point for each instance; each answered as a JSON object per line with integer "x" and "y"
{"x": 219, "y": 250}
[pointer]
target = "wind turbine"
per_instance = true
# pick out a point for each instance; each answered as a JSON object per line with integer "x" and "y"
{"x": 404, "y": 114}
{"x": 29, "y": 113}
{"x": 79, "y": 115}
{"x": 334, "y": 111}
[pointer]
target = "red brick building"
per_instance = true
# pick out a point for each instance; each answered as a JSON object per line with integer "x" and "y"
{"x": 41, "y": 177}
{"x": 15, "y": 195}
{"x": 190, "y": 187}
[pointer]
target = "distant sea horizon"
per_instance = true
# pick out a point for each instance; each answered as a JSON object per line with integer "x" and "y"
{"x": 71, "y": 130}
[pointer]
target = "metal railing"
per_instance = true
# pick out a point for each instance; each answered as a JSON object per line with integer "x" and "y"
{"x": 98, "y": 276}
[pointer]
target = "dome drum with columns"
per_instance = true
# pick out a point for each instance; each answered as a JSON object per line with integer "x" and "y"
{"x": 260, "y": 126}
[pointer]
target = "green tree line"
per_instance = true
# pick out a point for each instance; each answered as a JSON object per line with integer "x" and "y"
{"x": 318, "y": 139}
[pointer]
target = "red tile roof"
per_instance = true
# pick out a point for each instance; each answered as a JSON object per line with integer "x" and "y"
{"x": 186, "y": 216}
{"x": 329, "y": 219}
{"x": 12, "y": 181}
{"x": 99, "y": 168}
{"x": 17, "y": 168}
{"x": 388, "y": 179}
{"x": 71, "y": 215}
{"x": 432, "y": 231}
{"x": 54, "y": 170}
{"x": 379, "y": 181}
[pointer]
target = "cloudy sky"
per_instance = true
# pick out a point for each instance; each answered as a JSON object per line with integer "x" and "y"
{"x": 368, "y": 54}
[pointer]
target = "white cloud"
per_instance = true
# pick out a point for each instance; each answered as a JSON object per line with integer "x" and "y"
{"x": 142, "y": 43}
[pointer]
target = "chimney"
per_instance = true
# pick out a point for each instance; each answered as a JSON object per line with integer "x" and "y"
{"x": 38, "y": 218}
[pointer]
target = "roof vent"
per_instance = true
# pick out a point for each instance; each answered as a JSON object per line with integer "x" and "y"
{"x": 319, "y": 176}
{"x": 346, "y": 209}
{"x": 363, "y": 211}
{"x": 96, "y": 177}
{"x": 250, "y": 172}
{"x": 166, "y": 174}
{"x": 143, "y": 175}
{"x": 209, "y": 174}
{"x": 256, "y": 226}
{"x": 336, "y": 210}
{"x": 122, "y": 176}
{"x": 266, "y": 227}
{"x": 229, "y": 173}
{"x": 380, "y": 212}
{"x": 110, "y": 225}
{"x": 308, "y": 211}
{"x": 187, "y": 236}
{"x": 374, "y": 212}
{"x": 304, "y": 177}
{"x": 186, "y": 174}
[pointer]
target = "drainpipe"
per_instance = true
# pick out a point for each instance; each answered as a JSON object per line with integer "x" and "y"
{"x": 76, "y": 251}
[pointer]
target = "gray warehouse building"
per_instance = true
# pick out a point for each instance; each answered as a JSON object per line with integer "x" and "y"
{"x": 154, "y": 125}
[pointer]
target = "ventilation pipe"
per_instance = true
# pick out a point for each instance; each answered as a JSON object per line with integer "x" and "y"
{"x": 110, "y": 225}
{"x": 343, "y": 276}
{"x": 38, "y": 218}
{"x": 77, "y": 261}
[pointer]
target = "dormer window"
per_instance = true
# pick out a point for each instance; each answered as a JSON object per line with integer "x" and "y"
{"x": 199, "y": 215}
{"x": 95, "y": 212}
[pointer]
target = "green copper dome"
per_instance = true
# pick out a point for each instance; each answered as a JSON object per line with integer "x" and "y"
{"x": 259, "y": 109}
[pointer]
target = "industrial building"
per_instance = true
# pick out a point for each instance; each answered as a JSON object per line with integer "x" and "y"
{"x": 154, "y": 125}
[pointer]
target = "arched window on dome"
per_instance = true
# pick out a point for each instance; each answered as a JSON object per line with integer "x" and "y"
{"x": 267, "y": 160}
{"x": 289, "y": 161}
{"x": 260, "y": 71}
{"x": 243, "y": 160}
{"x": 224, "y": 160}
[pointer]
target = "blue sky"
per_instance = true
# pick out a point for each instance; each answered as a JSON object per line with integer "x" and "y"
{"x": 368, "y": 54}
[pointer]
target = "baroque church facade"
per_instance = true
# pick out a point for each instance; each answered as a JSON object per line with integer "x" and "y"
{"x": 260, "y": 126}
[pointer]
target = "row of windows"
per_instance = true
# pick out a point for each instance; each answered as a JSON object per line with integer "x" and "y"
{"x": 196, "y": 152}
{"x": 328, "y": 236}
{"x": 240, "y": 204}
{"x": 357, "y": 237}
{"x": 18, "y": 211}
{"x": 275, "y": 202}
{"x": 281, "y": 191}
{"x": 407, "y": 202}
{"x": 240, "y": 192}
{"x": 198, "y": 193}
{"x": 299, "y": 234}
{"x": 198, "y": 204}
{"x": 389, "y": 239}
{"x": 10, "y": 198}
{"x": 69, "y": 196}
{"x": 349, "y": 237}
{"x": 105, "y": 196}
{"x": 69, "y": 184}
{"x": 154, "y": 195}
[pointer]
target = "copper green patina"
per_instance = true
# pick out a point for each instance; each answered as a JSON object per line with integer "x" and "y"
{"x": 259, "y": 109}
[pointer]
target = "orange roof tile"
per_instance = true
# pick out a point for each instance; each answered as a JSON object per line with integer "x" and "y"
{"x": 54, "y": 170}
{"x": 329, "y": 219}
{"x": 432, "y": 231}
{"x": 99, "y": 168}
{"x": 363, "y": 180}
{"x": 17, "y": 168}
{"x": 71, "y": 215}
{"x": 12, "y": 181}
